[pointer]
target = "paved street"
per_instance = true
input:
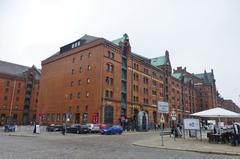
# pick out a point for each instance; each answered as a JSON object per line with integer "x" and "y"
{"x": 56, "y": 146}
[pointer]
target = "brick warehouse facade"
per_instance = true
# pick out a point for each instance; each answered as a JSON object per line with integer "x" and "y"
{"x": 19, "y": 87}
{"x": 96, "y": 80}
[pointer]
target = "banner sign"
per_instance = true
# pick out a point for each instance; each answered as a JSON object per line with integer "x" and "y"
{"x": 191, "y": 124}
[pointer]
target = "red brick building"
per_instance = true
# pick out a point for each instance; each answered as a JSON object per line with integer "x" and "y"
{"x": 19, "y": 87}
{"x": 97, "y": 80}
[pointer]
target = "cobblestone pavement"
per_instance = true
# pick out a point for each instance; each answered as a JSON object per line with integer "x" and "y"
{"x": 94, "y": 146}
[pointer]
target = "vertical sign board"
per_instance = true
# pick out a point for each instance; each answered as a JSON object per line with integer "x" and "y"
{"x": 163, "y": 109}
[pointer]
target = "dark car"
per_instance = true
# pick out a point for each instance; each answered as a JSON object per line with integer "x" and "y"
{"x": 75, "y": 128}
{"x": 115, "y": 129}
{"x": 85, "y": 129}
{"x": 53, "y": 127}
{"x": 9, "y": 128}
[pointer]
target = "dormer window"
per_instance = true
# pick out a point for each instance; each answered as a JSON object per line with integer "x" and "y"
{"x": 76, "y": 44}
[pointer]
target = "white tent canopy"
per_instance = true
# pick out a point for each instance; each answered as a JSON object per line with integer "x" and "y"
{"x": 217, "y": 113}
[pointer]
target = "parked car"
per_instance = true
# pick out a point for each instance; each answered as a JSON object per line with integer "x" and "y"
{"x": 93, "y": 128}
{"x": 85, "y": 129}
{"x": 77, "y": 128}
{"x": 9, "y": 128}
{"x": 53, "y": 127}
{"x": 115, "y": 129}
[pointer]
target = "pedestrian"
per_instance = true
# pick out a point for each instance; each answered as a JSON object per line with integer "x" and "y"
{"x": 64, "y": 129}
{"x": 34, "y": 129}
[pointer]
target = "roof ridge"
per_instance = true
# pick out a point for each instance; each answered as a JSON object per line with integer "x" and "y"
{"x": 14, "y": 64}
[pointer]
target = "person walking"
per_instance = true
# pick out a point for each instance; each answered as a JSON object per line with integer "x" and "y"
{"x": 64, "y": 128}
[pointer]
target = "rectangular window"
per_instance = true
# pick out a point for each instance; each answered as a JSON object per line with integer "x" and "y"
{"x": 154, "y": 92}
{"x": 6, "y": 98}
{"x": 89, "y": 67}
{"x": 48, "y": 117}
{"x": 87, "y": 94}
{"x": 110, "y": 55}
{"x": 6, "y": 90}
{"x": 145, "y": 80}
{"x": 19, "y": 85}
{"x": 135, "y": 66}
{"x": 135, "y": 76}
{"x": 58, "y": 117}
{"x": 78, "y": 95}
{"x": 154, "y": 83}
{"x": 145, "y": 90}
{"x": 108, "y": 94}
{"x": 135, "y": 88}
{"x": 64, "y": 117}
{"x": 145, "y": 100}
{"x": 53, "y": 117}
{"x": 146, "y": 71}
{"x": 79, "y": 82}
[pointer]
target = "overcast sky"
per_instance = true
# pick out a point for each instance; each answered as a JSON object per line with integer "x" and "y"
{"x": 199, "y": 35}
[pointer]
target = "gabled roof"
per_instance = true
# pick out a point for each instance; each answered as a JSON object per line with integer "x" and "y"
{"x": 77, "y": 43}
{"x": 117, "y": 41}
{"x": 122, "y": 39}
{"x": 142, "y": 58}
{"x": 177, "y": 75}
{"x": 12, "y": 69}
{"x": 206, "y": 77}
{"x": 158, "y": 61}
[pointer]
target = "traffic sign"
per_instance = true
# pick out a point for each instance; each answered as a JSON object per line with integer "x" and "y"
{"x": 162, "y": 120}
{"x": 163, "y": 107}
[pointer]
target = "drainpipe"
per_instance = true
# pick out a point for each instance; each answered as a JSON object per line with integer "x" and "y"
{"x": 13, "y": 93}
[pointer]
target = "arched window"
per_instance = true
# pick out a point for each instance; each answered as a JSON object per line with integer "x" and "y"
{"x": 108, "y": 115}
{"x": 110, "y": 67}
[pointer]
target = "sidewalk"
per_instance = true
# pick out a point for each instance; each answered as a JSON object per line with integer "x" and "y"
{"x": 189, "y": 144}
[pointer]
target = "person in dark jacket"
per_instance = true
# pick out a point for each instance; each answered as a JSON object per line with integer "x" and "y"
{"x": 64, "y": 129}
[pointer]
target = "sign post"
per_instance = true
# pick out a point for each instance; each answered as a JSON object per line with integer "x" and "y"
{"x": 174, "y": 118}
{"x": 162, "y": 108}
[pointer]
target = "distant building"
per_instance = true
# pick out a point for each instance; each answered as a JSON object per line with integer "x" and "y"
{"x": 19, "y": 87}
{"x": 179, "y": 90}
{"x": 230, "y": 105}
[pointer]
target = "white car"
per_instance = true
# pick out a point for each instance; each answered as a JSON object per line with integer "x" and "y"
{"x": 93, "y": 128}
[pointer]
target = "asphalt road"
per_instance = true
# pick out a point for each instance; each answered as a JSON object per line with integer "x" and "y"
{"x": 57, "y": 146}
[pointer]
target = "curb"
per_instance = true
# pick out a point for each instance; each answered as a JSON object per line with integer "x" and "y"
{"x": 189, "y": 150}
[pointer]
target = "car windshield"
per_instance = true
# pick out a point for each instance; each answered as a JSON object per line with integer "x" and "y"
{"x": 74, "y": 125}
{"x": 116, "y": 126}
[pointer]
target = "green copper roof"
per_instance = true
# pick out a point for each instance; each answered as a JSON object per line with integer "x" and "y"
{"x": 117, "y": 41}
{"x": 207, "y": 77}
{"x": 177, "y": 75}
{"x": 158, "y": 61}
